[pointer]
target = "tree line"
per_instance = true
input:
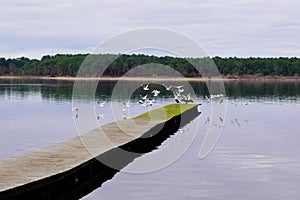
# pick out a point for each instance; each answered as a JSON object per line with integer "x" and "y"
{"x": 68, "y": 65}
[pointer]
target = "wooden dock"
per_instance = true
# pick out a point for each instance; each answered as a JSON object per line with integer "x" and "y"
{"x": 69, "y": 170}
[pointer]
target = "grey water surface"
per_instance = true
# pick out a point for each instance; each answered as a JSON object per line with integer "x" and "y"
{"x": 257, "y": 156}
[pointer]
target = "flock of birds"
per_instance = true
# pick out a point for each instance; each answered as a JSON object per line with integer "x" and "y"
{"x": 219, "y": 98}
{"x": 147, "y": 99}
{"x": 178, "y": 93}
{"x": 235, "y": 121}
{"x": 75, "y": 111}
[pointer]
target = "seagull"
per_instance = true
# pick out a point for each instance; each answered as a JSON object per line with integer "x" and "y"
{"x": 101, "y": 104}
{"x": 246, "y": 121}
{"x": 99, "y": 116}
{"x": 234, "y": 103}
{"x": 150, "y": 102}
{"x": 155, "y": 92}
{"x": 206, "y": 97}
{"x": 76, "y": 116}
{"x": 207, "y": 120}
{"x": 144, "y": 97}
{"x": 167, "y": 88}
{"x": 126, "y": 105}
{"x": 179, "y": 87}
{"x": 141, "y": 101}
{"x": 145, "y": 104}
{"x": 216, "y": 96}
{"x": 145, "y": 86}
{"x": 247, "y": 103}
{"x": 187, "y": 99}
{"x": 75, "y": 109}
{"x": 180, "y": 90}
{"x": 176, "y": 94}
{"x": 125, "y": 116}
{"x": 221, "y": 101}
{"x": 125, "y": 110}
{"x": 237, "y": 122}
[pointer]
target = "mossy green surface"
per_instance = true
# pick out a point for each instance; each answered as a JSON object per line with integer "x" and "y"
{"x": 165, "y": 113}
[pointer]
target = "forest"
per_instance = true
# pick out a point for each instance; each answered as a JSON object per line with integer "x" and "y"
{"x": 67, "y": 65}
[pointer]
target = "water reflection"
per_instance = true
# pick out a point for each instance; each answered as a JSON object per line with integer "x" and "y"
{"x": 257, "y": 156}
{"x": 62, "y": 90}
{"x": 269, "y": 89}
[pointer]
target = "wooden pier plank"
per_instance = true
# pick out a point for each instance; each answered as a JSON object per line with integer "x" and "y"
{"x": 33, "y": 166}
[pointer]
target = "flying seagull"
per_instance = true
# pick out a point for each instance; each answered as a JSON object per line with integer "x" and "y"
{"x": 167, "y": 88}
{"x": 145, "y": 86}
{"x": 180, "y": 90}
{"x": 155, "y": 92}
{"x": 179, "y": 86}
{"x": 144, "y": 97}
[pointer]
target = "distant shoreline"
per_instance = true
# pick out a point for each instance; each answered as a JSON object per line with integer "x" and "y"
{"x": 224, "y": 78}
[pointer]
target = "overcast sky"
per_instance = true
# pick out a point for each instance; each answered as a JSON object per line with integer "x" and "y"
{"x": 242, "y": 28}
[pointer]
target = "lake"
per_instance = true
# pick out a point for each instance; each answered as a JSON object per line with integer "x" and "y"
{"x": 256, "y": 157}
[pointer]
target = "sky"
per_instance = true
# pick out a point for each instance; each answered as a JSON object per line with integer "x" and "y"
{"x": 242, "y": 28}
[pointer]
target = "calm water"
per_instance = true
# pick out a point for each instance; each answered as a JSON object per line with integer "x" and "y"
{"x": 257, "y": 156}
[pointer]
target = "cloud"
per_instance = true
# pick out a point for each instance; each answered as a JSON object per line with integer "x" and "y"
{"x": 225, "y": 28}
